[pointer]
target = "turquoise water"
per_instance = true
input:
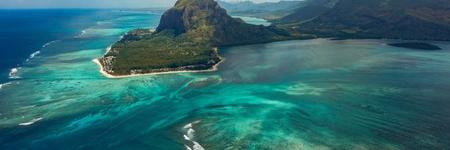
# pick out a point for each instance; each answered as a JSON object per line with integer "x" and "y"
{"x": 311, "y": 94}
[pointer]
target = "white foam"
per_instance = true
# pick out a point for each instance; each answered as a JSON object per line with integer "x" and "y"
{"x": 187, "y": 147}
{"x": 4, "y": 84}
{"x": 46, "y": 45}
{"x": 33, "y": 55}
{"x": 39, "y": 52}
{"x": 13, "y": 73}
{"x": 186, "y": 137}
{"x": 190, "y": 135}
{"x": 189, "y": 125}
{"x": 31, "y": 122}
{"x": 83, "y": 32}
{"x": 49, "y": 43}
{"x": 108, "y": 49}
{"x": 197, "y": 146}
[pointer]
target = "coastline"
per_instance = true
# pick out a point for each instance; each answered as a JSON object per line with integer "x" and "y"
{"x": 215, "y": 67}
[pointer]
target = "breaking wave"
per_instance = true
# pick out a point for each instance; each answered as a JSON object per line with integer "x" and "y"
{"x": 49, "y": 43}
{"x": 30, "y": 122}
{"x": 4, "y": 84}
{"x": 13, "y": 73}
{"x": 33, "y": 55}
{"x": 190, "y": 137}
{"x": 82, "y": 33}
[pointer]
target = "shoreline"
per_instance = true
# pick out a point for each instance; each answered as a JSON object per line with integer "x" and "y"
{"x": 106, "y": 74}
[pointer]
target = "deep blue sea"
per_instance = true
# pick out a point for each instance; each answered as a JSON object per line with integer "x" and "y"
{"x": 24, "y": 32}
{"x": 291, "y": 95}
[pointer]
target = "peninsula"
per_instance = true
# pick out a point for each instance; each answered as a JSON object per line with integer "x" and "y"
{"x": 187, "y": 39}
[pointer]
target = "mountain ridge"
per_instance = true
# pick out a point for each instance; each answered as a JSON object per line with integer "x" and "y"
{"x": 266, "y": 10}
{"x": 395, "y": 19}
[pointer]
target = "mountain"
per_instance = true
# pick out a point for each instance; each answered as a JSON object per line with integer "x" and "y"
{"x": 206, "y": 19}
{"x": 267, "y": 10}
{"x": 399, "y": 19}
{"x": 186, "y": 39}
{"x": 307, "y": 11}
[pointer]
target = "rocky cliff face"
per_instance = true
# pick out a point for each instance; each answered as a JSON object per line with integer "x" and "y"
{"x": 189, "y": 15}
{"x": 205, "y": 20}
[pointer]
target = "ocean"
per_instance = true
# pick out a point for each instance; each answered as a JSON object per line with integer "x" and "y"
{"x": 307, "y": 94}
{"x": 26, "y": 32}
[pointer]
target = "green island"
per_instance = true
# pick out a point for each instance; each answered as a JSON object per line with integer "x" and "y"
{"x": 187, "y": 39}
{"x": 190, "y": 33}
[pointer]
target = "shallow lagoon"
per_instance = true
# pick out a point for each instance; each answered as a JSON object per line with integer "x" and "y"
{"x": 311, "y": 94}
{"x": 253, "y": 20}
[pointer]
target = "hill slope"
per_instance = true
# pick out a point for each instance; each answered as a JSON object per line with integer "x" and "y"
{"x": 404, "y": 19}
{"x": 309, "y": 9}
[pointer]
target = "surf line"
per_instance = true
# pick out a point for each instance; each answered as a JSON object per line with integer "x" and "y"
{"x": 5, "y": 84}
{"x": 13, "y": 73}
{"x": 190, "y": 136}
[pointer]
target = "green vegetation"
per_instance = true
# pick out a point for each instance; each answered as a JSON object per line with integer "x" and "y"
{"x": 394, "y": 19}
{"x": 306, "y": 12}
{"x": 159, "y": 52}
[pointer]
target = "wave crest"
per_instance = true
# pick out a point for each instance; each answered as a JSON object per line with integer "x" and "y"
{"x": 190, "y": 135}
{"x": 33, "y": 55}
{"x": 31, "y": 122}
{"x": 5, "y": 84}
{"x": 13, "y": 73}
{"x": 49, "y": 43}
